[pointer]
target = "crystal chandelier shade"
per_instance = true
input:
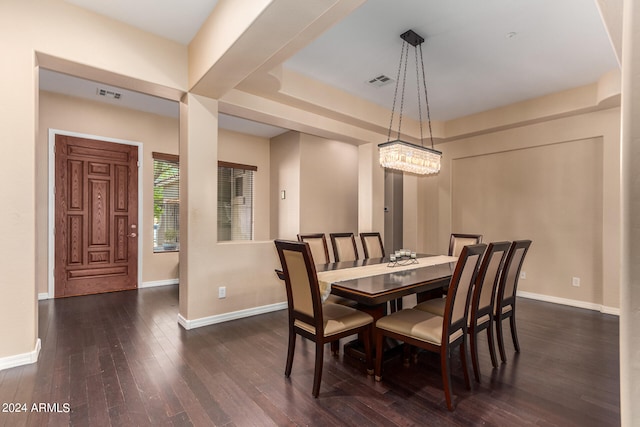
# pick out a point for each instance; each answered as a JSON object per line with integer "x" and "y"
{"x": 408, "y": 157}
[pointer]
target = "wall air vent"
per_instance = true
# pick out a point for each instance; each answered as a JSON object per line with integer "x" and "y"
{"x": 380, "y": 81}
{"x": 108, "y": 93}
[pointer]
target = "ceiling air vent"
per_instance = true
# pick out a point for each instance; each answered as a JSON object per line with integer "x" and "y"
{"x": 380, "y": 81}
{"x": 108, "y": 93}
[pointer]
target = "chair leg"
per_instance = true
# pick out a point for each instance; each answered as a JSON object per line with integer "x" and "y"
{"x": 446, "y": 375}
{"x": 378, "y": 366}
{"x": 492, "y": 347}
{"x": 407, "y": 351}
{"x": 367, "y": 351}
{"x": 500, "y": 339}
{"x": 514, "y": 331}
{"x": 392, "y": 306}
{"x": 290, "y": 352}
{"x": 463, "y": 359}
{"x": 474, "y": 354}
{"x": 335, "y": 347}
{"x": 317, "y": 372}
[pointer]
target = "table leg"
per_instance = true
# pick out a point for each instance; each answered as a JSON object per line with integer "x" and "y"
{"x": 355, "y": 349}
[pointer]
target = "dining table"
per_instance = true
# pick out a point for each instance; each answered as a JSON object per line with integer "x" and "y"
{"x": 374, "y": 282}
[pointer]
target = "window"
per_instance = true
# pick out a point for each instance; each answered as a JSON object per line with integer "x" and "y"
{"x": 235, "y": 201}
{"x": 166, "y": 203}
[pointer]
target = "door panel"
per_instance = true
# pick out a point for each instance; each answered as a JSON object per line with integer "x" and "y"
{"x": 96, "y": 211}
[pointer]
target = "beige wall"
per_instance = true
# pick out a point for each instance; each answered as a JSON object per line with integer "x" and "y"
{"x": 313, "y": 171}
{"x": 370, "y": 190}
{"x": 551, "y": 194}
{"x": 58, "y": 29}
{"x": 156, "y": 133}
{"x": 561, "y": 175}
{"x": 328, "y": 186}
{"x": 285, "y": 176}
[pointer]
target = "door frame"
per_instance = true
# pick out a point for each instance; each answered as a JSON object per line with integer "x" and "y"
{"x": 51, "y": 202}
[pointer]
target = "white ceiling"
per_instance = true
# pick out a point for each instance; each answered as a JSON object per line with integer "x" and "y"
{"x": 478, "y": 54}
{"x": 177, "y": 20}
{"x": 473, "y": 61}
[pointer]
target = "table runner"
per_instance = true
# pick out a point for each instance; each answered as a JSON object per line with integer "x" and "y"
{"x": 325, "y": 278}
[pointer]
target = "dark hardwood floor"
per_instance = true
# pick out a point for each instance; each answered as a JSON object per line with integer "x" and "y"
{"x": 121, "y": 359}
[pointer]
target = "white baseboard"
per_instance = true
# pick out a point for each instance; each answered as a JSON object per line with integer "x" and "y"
{"x": 570, "y": 302}
{"x": 21, "y": 359}
{"x": 610, "y": 310}
{"x": 156, "y": 283}
{"x": 219, "y": 318}
{"x": 152, "y": 284}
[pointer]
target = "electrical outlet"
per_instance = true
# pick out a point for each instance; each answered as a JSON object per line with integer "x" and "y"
{"x": 575, "y": 281}
{"x": 523, "y": 275}
{"x": 222, "y": 292}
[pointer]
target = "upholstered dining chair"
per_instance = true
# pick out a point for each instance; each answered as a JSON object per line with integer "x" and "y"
{"x": 481, "y": 304}
{"x": 457, "y": 241}
{"x": 438, "y": 334}
{"x": 308, "y": 317}
{"x": 505, "y": 303}
{"x": 318, "y": 244}
{"x": 372, "y": 245}
{"x": 320, "y": 252}
{"x": 344, "y": 246}
{"x": 373, "y": 248}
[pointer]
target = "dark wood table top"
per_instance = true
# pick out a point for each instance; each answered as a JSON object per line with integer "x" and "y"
{"x": 378, "y": 289}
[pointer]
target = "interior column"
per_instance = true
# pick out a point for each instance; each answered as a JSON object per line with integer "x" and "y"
{"x": 198, "y": 204}
{"x": 630, "y": 183}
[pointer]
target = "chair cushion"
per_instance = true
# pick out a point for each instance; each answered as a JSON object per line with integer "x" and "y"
{"x": 416, "y": 324}
{"x": 436, "y": 306}
{"x": 338, "y": 318}
{"x": 433, "y": 306}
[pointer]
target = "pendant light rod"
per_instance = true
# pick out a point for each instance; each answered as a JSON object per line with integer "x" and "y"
{"x": 399, "y": 154}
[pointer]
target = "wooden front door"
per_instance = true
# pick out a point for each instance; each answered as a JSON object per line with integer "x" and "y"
{"x": 96, "y": 216}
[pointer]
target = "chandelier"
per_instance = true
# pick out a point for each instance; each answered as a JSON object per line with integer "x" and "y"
{"x": 402, "y": 155}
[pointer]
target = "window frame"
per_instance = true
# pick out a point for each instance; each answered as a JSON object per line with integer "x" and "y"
{"x": 165, "y": 247}
{"x": 244, "y": 167}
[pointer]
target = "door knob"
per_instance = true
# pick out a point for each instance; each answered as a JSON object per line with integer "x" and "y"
{"x": 132, "y": 235}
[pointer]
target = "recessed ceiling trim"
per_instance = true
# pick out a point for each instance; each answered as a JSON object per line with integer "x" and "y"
{"x": 107, "y": 77}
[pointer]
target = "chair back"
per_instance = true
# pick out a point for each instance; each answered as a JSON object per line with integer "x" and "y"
{"x": 344, "y": 246}
{"x": 318, "y": 244}
{"x": 300, "y": 277}
{"x": 488, "y": 278}
{"x": 457, "y": 305}
{"x": 372, "y": 245}
{"x": 459, "y": 241}
{"x": 511, "y": 273}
